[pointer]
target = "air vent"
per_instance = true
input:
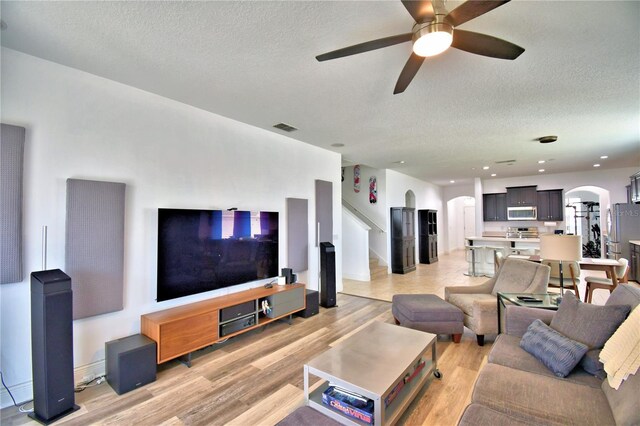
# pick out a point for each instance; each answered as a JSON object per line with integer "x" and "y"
{"x": 505, "y": 161}
{"x": 285, "y": 127}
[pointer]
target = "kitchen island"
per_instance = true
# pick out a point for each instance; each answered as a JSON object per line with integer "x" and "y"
{"x": 481, "y": 251}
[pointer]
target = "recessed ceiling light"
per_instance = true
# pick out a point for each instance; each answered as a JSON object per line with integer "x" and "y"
{"x": 547, "y": 139}
{"x": 541, "y": 161}
{"x": 604, "y": 157}
{"x": 452, "y": 181}
{"x": 485, "y": 168}
{"x": 541, "y": 170}
{"x": 399, "y": 162}
{"x": 337, "y": 145}
{"x": 596, "y": 165}
{"x": 493, "y": 175}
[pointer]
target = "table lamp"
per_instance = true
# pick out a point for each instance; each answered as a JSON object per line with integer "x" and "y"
{"x": 561, "y": 248}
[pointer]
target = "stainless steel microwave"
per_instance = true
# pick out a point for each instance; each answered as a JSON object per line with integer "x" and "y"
{"x": 522, "y": 213}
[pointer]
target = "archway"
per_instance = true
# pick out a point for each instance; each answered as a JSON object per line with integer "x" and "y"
{"x": 461, "y": 221}
{"x": 410, "y": 199}
{"x": 586, "y": 210}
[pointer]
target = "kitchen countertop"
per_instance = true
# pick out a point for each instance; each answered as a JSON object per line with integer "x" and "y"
{"x": 636, "y": 242}
{"x": 504, "y": 239}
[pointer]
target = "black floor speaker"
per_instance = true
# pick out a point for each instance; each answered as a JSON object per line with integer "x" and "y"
{"x": 52, "y": 346}
{"x": 311, "y": 308}
{"x": 131, "y": 362}
{"x": 327, "y": 275}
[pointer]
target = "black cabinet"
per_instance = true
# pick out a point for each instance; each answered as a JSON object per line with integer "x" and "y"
{"x": 403, "y": 240}
{"x": 521, "y": 196}
{"x": 428, "y": 235}
{"x": 494, "y": 207}
{"x": 634, "y": 267}
{"x": 550, "y": 205}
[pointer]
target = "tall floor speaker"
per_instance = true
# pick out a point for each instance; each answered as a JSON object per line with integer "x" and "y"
{"x": 327, "y": 275}
{"x": 52, "y": 346}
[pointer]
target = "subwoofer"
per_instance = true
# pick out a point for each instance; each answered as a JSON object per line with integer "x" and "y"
{"x": 327, "y": 275}
{"x": 52, "y": 345}
{"x": 131, "y": 362}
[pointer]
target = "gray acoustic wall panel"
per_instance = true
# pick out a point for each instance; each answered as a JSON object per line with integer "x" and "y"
{"x": 95, "y": 246}
{"x": 11, "y": 168}
{"x": 297, "y": 234}
{"x": 324, "y": 211}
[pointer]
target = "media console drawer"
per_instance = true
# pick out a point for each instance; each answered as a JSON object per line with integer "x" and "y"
{"x": 188, "y": 334}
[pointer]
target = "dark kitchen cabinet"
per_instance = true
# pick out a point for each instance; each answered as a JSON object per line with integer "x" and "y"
{"x": 494, "y": 207}
{"x": 522, "y": 196}
{"x": 634, "y": 263}
{"x": 403, "y": 240}
{"x": 550, "y": 205}
{"x": 428, "y": 236}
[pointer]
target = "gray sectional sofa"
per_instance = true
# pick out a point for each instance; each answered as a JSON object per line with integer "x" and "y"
{"x": 514, "y": 388}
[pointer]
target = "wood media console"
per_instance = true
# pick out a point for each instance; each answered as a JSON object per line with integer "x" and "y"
{"x": 184, "y": 329}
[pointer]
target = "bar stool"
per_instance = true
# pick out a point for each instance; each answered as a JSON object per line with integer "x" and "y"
{"x": 473, "y": 250}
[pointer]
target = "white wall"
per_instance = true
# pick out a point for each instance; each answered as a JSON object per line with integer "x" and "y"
{"x": 376, "y": 212}
{"x": 355, "y": 247}
{"x": 428, "y": 196}
{"x": 169, "y": 154}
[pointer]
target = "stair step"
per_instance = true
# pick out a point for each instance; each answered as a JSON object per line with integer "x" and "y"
{"x": 378, "y": 271}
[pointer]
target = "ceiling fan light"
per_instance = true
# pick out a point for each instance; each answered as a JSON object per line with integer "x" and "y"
{"x": 432, "y": 39}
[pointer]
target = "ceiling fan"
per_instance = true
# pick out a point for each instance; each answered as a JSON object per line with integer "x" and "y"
{"x": 434, "y": 31}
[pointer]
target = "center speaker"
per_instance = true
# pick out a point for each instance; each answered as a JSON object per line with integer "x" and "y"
{"x": 327, "y": 275}
{"x": 52, "y": 346}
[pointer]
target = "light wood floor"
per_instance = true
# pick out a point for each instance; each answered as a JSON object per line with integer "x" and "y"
{"x": 433, "y": 278}
{"x": 256, "y": 378}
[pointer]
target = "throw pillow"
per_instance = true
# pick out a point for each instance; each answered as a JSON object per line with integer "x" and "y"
{"x": 590, "y": 324}
{"x": 557, "y": 352}
{"x": 592, "y": 365}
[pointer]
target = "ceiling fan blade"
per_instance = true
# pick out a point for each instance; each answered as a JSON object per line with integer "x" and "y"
{"x": 365, "y": 47}
{"x": 419, "y": 9}
{"x": 486, "y": 45}
{"x": 408, "y": 72}
{"x": 471, "y": 9}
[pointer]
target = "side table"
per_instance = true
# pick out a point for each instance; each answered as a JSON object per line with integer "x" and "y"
{"x": 548, "y": 301}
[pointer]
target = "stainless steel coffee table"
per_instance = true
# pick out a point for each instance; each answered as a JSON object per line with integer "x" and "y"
{"x": 371, "y": 363}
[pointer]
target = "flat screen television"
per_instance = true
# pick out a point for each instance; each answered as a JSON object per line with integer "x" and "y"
{"x": 203, "y": 250}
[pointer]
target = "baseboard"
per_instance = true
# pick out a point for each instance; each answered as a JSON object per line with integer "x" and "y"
{"x": 95, "y": 369}
{"x": 24, "y": 391}
{"x": 21, "y": 392}
{"x": 357, "y": 277}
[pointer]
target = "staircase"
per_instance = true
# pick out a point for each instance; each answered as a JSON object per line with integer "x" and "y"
{"x": 376, "y": 270}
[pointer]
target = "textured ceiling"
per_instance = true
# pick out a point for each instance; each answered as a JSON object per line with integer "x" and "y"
{"x": 579, "y": 77}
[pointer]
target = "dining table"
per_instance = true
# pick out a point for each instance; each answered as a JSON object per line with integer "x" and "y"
{"x": 588, "y": 264}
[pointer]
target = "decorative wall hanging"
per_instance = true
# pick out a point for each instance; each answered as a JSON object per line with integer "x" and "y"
{"x": 373, "y": 190}
{"x": 356, "y": 178}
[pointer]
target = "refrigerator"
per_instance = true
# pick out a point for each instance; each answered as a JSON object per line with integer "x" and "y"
{"x": 623, "y": 225}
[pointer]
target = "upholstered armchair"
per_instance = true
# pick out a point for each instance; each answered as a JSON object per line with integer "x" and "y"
{"x": 479, "y": 303}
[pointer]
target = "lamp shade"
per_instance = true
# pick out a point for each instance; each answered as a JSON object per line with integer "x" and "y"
{"x": 561, "y": 247}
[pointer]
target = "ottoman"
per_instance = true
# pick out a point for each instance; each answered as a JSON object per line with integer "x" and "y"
{"x": 428, "y": 312}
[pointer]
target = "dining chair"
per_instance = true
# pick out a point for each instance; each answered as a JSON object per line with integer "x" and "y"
{"x": 498, "y": 258}
{"x": 570, "y": 272}
{"x": 593, "y": 283}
